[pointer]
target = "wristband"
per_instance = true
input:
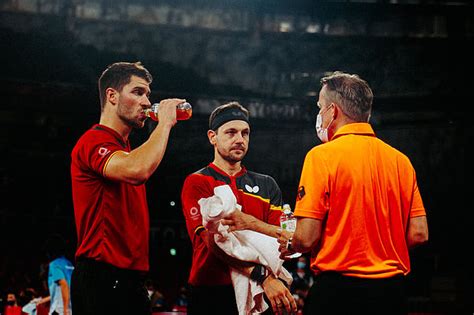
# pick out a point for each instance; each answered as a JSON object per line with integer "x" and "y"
{"x": 259, "y": 274}
{"x": 199, "y": 229}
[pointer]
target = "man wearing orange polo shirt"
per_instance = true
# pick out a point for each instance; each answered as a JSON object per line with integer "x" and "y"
{"x": 358, "y": 206}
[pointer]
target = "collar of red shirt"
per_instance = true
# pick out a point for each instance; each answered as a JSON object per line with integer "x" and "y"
{"x": 122, "y": 141}
{"x": 218, "y": 170}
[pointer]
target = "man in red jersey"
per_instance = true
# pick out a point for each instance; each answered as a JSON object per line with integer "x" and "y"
{"x": 260, "y": 197}
{"x": 109, "y": 195}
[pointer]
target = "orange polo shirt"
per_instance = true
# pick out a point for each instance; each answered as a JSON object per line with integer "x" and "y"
{"x": 366, "y": 191}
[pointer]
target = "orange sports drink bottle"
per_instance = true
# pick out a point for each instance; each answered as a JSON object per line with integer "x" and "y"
{"x": 184, "y": 111}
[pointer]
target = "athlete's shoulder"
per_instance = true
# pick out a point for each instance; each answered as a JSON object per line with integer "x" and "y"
{"x": 323, "y": 148}
{"x": 392, "y": 152}
{"x": 258, "y": 175}
{"x": 197, "y": 176}
{"x": 95, "y": 134}
{"x": 59, "y": 261}
{"x": 261, "y": 178}
{"x": 96, "y": 137}
{"x": 201, "y": 172}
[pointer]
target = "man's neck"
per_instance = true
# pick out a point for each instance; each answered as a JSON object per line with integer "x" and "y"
{"x": 230, "y": 169}
{"x": 115, "y": 124}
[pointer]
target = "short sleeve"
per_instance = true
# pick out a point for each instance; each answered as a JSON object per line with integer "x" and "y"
{"x": 195, "y": 187}
{"x": 312, "y": 198}
{"x": 417, "y": 207}
{"x": 276, "y": 201}
{"x": 96, "y": 151}
{"x": 56, "y": 273}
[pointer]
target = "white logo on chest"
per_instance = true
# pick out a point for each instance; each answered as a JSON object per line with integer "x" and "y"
{"x": 251, "y": 189}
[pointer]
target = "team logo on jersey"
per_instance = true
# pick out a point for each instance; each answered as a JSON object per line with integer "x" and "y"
{"x": 251, "y": 189}
{"x": 194, "y": 212}
{"x": 103, "y": 151}
{"x": 300, "y": 193}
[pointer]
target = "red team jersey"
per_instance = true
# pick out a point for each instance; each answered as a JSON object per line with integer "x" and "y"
{"x": 111, "y": 216}
{"x": 259, "y": 195}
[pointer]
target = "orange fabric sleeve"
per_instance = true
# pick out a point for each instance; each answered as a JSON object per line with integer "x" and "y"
{"x": 313, "y": 191}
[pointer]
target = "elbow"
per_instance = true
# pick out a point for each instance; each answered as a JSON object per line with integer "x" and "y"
{"x": 418, "y": 239}
{"x": 424, "y": 239}
{"x": 138, "y": 176}
{"x": 304, "y": 245}
{"x": 417, "y": 231}
{"x": 137, "y": 182}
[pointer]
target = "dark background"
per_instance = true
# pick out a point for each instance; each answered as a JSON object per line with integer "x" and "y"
{"x": 269, "y": 56}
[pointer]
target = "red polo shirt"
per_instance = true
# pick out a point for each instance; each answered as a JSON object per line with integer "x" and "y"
{"x": 111, "y": 216}
{"x": 258, "y": 194}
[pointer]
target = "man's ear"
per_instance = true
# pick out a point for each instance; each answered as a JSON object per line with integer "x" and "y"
{"x": 337, "y": 110}
{"x": 211, "y": 135}
{"x": 111, "y": 96}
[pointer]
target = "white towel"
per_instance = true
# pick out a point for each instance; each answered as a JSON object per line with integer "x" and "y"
{"x": 244, "y": 245}
{"x": 30, "y": 308}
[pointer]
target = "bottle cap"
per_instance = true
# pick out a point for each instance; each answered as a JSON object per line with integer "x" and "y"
{"x": 286, "y": 208}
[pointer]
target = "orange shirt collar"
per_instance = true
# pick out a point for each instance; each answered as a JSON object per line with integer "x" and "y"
{"x": 355, "y": 128}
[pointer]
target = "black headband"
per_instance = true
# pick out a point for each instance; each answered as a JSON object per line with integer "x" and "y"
{"x": 228, "y": 115}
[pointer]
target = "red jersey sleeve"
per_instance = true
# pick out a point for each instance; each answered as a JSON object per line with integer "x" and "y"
{"x": 195, "y": 187}
{"x": 96, "y": 150}
{"x": 276, "y": 202}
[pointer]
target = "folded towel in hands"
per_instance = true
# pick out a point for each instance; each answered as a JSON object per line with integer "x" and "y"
{"x": 246, "y": 245}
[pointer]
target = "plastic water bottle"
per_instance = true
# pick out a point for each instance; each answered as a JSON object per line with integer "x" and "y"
{"x": 184, "y": 111}
{"x": 287, "y": 220}
{"x": 288, "y": 223}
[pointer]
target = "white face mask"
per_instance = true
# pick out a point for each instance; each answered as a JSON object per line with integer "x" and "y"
{"x": 320, "y": 131}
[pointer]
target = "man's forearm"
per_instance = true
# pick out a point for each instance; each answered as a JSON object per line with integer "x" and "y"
{"x": 65, "y": 295}
{"x": 307, "y": 234}
{"x": 244, "y": 267}
{"x": 138, "y": 165}
{"x": 238, "y": 220}
{"x": 264, "y": 228}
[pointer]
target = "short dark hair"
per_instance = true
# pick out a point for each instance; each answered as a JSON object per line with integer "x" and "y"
{"x": 118, "y": 74}
{"x": 351, "y": 93}
{"x": 227, "y": 106}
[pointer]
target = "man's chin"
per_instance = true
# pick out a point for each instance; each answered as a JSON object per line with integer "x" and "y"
{"x": 236, "y": 157}
{"x": 139, "y": 124}
{"x": 136, "y": 123}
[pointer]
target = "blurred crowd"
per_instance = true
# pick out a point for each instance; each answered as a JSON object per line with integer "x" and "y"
{"x": 22, "y": 290}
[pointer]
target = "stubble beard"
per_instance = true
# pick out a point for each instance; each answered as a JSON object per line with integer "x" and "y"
{"x": 129, "y": 117}
{"x": 231, "y": 157}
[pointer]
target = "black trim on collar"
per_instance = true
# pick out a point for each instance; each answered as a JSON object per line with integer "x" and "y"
{"x": 114, "y": 133}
